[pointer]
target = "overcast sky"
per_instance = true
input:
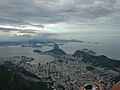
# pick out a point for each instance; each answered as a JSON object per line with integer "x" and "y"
{"x": 58, "y": 18}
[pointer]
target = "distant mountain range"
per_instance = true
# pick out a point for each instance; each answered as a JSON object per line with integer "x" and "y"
{"x": 35, "y": 41}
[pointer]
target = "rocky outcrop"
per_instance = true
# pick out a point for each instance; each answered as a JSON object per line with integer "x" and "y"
{"x": 56, "y": 50}
{"x": 56, "y": 46}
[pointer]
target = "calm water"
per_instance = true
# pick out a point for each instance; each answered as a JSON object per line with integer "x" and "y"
{"x": 25, "y": 51}
{"x": 100, "y": 49}
{"x": 109, "y": 46}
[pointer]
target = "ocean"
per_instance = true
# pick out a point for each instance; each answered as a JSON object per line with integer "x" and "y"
{"x": 102, "y": 46}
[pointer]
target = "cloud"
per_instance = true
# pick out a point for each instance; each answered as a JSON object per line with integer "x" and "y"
{"x": 43, "y": 36}
{"x": 7, "y": 29}
{"x": 23, "y": 28}
{"x": 75, "y": 14}
{"x": 24, "y": 36}
{"x": 47, "y": 11}
{"x": 27, "y": 31}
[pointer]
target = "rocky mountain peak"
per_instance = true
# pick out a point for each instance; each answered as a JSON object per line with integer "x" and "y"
{"x": 56, "y": 46}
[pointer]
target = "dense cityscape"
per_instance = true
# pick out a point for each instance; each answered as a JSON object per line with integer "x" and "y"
{"x": 66, "y": 72}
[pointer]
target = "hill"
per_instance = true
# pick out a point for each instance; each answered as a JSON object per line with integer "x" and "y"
{"x": 98, "y": 61}
{"x": 56, "y": 50}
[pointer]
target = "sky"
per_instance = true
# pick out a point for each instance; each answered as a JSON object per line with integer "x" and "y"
{"x": 66, "y": 19}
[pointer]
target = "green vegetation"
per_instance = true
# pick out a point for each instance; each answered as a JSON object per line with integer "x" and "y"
{"x": 102, "y": 61}
{"x": 97, "y": 61}
{"x": 11, "y": 80}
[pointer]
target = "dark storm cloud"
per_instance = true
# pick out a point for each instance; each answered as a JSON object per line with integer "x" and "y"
{"x": 77, "y": 13}
{"x": 7, "y": 29}
{"x": 6, "y": 20}
{"x": 27, "y": 31}
{"x": 11, "y": 21}
{"x": 27, "y": 10}
{"x": 39, "y": 26}
{"x": 47, "y": 11}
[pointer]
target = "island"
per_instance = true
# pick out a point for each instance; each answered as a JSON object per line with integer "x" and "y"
{"x": 37, "y": 51}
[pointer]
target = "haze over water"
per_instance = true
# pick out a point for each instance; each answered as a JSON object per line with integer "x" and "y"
{"x": 106, "y": 45}
{"x": 87, "y": 20}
